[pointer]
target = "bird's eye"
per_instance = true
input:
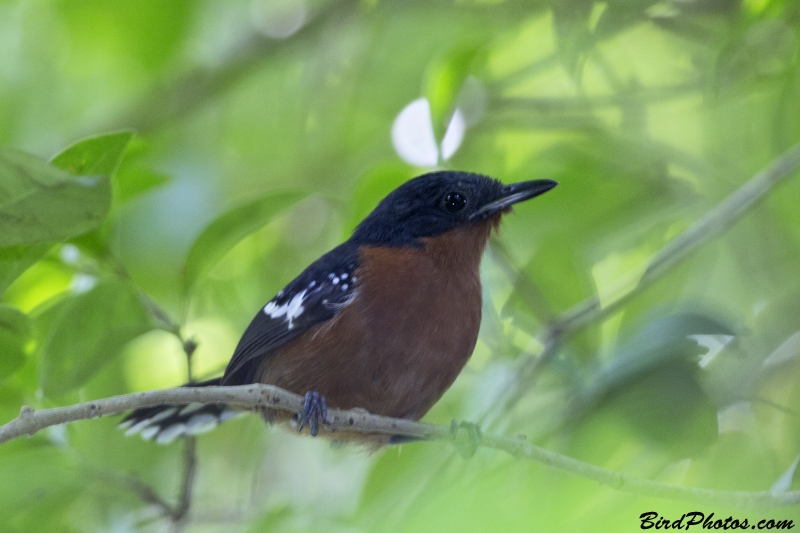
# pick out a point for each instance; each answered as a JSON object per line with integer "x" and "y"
{"x": 454, "y": 201}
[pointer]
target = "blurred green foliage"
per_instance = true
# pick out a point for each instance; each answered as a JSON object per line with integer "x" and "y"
{"x": 266, "y": 129}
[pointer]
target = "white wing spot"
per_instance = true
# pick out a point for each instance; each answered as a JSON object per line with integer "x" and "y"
{"x": 292, "y": 309}
{"x": 273, "y": 310}
{"x": 330, "y": 276}
{"x": 295, "y": 308}
{"x": 335, "y": 281}
{"x": 344, "y": 286}
{"x": 344, "y": 276}
{"x": 312, "y": 284}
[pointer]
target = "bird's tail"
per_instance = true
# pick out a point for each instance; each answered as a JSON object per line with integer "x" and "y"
{"x": 165, "y": 423}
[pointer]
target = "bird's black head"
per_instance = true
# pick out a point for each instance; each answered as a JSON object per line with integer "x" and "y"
{"x": 440, "y": 201}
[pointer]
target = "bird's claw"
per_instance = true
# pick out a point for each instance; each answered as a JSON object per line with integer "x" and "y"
{"x": 315, "y": 410}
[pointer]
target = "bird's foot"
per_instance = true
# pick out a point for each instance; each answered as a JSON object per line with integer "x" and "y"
{"x": 466, "y": 436}
{"x": 315, "y": 410}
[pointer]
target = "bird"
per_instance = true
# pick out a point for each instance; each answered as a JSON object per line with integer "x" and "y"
{"x": 383, "y": 322}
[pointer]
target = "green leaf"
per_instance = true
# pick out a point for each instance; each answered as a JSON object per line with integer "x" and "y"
{"x": 374, "y": 185}
{"x": 14, "y": 260}
{"x": 661, "y": 340}
{"x": 98, "y": 155}
{"x": 442, "y": 83}
{"x": 233, "y": 226}
{"x": 41, "y": 203}
{"x": 36, "y": 474}
{"x": 15, "y": 331}
{"x": 85, "y": 331}
{"x": 652, "y": 382}
{"x": 134, "y": 180}
{"x": 103, "y": 154}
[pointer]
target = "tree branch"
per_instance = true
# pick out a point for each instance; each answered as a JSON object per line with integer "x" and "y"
{"x": 715, "y": 222}
{"x": 259, "y": 396}
{"x": 643, "y": 95}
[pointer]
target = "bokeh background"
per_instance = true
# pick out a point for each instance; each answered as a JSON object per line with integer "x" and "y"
{"x": 648, "y": 113}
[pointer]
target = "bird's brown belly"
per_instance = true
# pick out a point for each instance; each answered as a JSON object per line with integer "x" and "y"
{"x": 394, "y": 350}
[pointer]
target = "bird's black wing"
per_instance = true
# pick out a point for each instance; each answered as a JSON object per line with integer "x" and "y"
{"x": 316, "y": 295}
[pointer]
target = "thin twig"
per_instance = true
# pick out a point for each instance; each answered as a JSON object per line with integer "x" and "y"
{"x": 147, "y": 493}
{"x": 176, "y": 513}
{"x": 144, "y": 491}
{"x": 189, "y": 347}
{"x": 165, "y": 320}
{"x": 181, "y": 510}
{"x": 529, "y": 370}
{"x": 187, "y": 486}
{"x": 184, "y": 94}
{"x": 581, "y": 103}
{"x": 715, "y": 222}
{"x": 525, "y": 287}
{"x": 259, "y": 396}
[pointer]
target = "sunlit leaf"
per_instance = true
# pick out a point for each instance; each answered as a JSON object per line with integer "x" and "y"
{"x": 233, "y": 226}
{"x": 41, "y": 203}
{"x": 15, "y": 331}
{"x": 99, "y": 155}
{"x": 444, "y": 78}
{"x": 85, "y": 331}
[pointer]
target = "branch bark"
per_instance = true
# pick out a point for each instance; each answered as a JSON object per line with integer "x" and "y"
{"x": 258, "y": 396}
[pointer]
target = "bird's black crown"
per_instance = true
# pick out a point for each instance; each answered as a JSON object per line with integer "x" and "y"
{"x": 426, "y": 206}
{"x": 435, "y": 203}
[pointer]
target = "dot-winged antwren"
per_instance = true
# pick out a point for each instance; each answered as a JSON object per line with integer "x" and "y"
{"x": 383, "y": 322}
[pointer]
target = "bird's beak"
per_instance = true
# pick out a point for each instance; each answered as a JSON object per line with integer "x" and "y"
{"x": 512, "y": 194}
